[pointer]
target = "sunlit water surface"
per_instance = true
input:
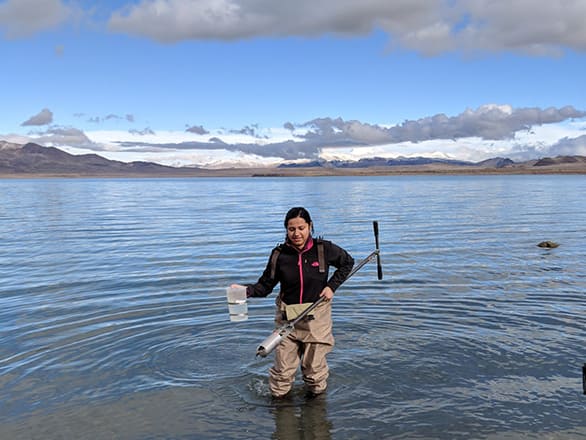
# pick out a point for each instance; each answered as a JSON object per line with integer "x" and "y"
{"x": 114, "y": 321}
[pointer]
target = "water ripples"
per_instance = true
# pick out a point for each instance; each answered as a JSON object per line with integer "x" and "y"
{"x": 120, "y": 290}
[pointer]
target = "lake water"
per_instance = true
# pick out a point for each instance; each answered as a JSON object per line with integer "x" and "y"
{"x": 114, "y": 322}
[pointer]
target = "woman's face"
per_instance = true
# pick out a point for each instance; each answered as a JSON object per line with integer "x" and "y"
{"x": 298, "y": 231}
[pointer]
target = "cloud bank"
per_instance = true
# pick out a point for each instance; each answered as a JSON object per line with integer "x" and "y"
{"x": 431, "y": 27}
{"x": 473, "y": 135}
{"x": 426, "y": 26}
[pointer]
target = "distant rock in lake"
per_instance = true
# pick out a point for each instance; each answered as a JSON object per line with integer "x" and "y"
{"x": 548, "y": 244}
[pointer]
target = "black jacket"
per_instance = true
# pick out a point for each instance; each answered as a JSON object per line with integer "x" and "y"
{"x": 305, "y": 285}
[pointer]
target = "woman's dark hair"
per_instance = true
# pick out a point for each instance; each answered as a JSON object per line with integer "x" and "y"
{"x": 298, "y": 211}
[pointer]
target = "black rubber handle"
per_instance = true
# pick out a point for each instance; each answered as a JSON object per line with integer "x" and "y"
{"x": 379, "y": 267}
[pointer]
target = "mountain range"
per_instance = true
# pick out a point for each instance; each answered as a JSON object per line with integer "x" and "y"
{"x": 498, "y": 162}
{"x": 35, "y": 160}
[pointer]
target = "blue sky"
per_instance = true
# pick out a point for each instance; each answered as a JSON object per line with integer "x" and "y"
{"x": 248, "y": 82}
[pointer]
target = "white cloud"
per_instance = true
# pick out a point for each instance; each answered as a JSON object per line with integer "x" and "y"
{"x": 211, "y": 159}
{"x": 15, "y": 138}
{"x": 214, "y": 159}
{"x": 536, "y": 27}
{"x": 22, "y": 18}
{"x": 44, "y": 117}
{"x": 427, "y": 26}
{"x": 175, "y": 20}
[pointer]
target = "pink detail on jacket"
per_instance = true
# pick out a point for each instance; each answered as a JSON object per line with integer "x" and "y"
{"x": 307, "y": 247}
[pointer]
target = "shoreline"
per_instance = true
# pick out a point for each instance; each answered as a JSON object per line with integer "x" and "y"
{"x": 434, "y": 170}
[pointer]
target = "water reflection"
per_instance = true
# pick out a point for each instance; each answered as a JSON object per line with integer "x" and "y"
{"x": 307, "y": 421}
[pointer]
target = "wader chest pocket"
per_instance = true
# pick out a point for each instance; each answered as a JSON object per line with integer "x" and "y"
{"x": 292, "y": 311}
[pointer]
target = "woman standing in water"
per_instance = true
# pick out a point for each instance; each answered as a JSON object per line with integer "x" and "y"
{"x": 301, "y": 265}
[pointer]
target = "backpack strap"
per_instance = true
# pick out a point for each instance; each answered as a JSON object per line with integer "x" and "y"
{"x": 321, "y": 258}
{"x": 274, "y": 258}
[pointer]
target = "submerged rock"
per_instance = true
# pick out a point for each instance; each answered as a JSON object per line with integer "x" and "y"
{"x": 548, "y": 244}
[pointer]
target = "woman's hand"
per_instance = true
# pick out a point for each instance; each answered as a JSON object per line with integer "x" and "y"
{"x": 328, "y": 293}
